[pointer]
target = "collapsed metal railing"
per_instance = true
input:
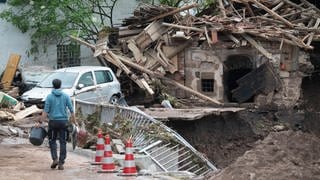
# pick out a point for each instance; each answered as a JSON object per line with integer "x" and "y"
{"x": 175, "y": 154}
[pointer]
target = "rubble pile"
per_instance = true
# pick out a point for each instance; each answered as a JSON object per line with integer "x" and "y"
{"x": 15, "y": 122}
{"x": 149, "y": 45}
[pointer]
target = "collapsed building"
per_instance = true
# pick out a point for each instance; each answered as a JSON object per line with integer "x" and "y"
{"x": 254, "y": 51}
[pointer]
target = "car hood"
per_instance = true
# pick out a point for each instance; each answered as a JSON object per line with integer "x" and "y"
{"x": 41, "y": 93}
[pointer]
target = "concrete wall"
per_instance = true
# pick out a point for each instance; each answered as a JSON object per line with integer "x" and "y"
{"x": 12, "y": 40}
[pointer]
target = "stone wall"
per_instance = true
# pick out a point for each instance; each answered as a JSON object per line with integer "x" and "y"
{"x": 203, "y": 62}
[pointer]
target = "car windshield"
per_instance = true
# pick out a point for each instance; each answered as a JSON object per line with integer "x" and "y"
{"x": 35, "y": 76}
{"x": 67, "y": 79}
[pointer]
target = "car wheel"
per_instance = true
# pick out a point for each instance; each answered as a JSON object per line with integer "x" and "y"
{"x": 114, "y": 100}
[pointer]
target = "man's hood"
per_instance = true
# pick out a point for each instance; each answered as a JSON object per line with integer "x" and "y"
{"x": 57, "y": 92}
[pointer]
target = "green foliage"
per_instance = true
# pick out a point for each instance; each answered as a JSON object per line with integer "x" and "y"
{"x": 173, "y": 3}
{"x": 202, "y": 4}
{"x": 51, "y": 21}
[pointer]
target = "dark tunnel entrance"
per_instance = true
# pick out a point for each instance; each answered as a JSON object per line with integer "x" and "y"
{"x": 235, "y": 67}
{"x": 311, "y": 84}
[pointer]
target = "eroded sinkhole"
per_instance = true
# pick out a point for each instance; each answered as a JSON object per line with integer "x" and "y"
{"x": 221, "y": 138}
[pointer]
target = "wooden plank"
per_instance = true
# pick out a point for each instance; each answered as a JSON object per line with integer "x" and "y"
{"x": 261, "y": 80}
{"x": 261, "y": 49}
{"x": 311, "y": 5}
{"x": 272, "y": 13}
{"x": 183, "y": 27}
{"x": 163, "y": 60}
{"x": 138, "y": 56}
{"x": 293, "y": 4}
{"x": 82, "y": 42}
{"x": 10, "y": 70}
{"x": 276, "y": 7}
{"x": 233, "y": 38}
{"x": 26, "y": 112}
{"x": 183, "y": 8}
{"x": 214, "y": 37}
{"x": 222, "y": 9}
{"x": 249, "y": 9}
{"x": 129, "y": 32}
{"x": 150, "y": 34}
{"x": 312, "y": 34}
{"x": 207, "y": 36}
{"x": 147, "y": 87}
{"x": 118, "y": 144}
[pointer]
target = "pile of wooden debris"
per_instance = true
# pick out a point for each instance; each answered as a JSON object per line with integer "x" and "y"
{"x": 149, "y": 44}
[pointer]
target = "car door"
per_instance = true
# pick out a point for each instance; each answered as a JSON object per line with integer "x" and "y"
{"x": 105, "y": 84}
{"x": 86, "y": 87}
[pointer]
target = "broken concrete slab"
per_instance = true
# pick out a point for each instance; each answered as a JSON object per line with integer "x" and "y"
{"x": 165, "y": 114}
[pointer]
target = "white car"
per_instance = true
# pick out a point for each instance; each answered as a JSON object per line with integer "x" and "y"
{"x": 87, "y": 83}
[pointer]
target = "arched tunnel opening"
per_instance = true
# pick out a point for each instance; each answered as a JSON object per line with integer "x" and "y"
{"x": 235, "y": 67}
{"x": 311, "y": 84}
{"x": 310, "y": 93}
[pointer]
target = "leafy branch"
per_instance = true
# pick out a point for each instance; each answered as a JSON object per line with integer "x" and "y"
{"x": 52, "y": 21}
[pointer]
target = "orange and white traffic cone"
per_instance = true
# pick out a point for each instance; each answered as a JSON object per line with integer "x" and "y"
{"x": 107, "y": 161}
{"x": 129, "y": 163}
{"x": 99, "y": 149}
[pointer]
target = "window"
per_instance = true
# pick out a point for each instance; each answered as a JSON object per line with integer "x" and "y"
{"x": 68, "y": 55}
{"x": 103, "y": 77}
{"x": 86, "y": 79}
{"x": 207, "y": 85}
{"x": 67, "y": 79}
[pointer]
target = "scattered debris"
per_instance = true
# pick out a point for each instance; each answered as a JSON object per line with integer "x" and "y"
{"x": 6, "y": 116}
{"x": 10, "y": 70}
{"x": 6, "y": 100}
{"x": 26, "y": 112}
{"x": 152, "y": 44}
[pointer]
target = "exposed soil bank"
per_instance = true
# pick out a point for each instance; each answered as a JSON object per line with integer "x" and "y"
{"x": 281, "y": 155}
{"x": 224, "y": 138}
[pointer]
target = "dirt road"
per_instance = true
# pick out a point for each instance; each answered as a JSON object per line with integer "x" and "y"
{"x": 28, "y": 162}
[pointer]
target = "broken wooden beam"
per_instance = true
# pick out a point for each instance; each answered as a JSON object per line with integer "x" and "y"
{"x": 82, "y": 42}
{"x": 222, "y": 9}
{"x": 183, "y": 8}
{"x": 10, "y": 71}
{"x": 261, "y": 49}
{"x": 183, "y": 27}
{"x": 312, "y": 34}
{"x": 311, "y": 5}
{"x": 272, "y": 13}
{"x": 276, "y": 7}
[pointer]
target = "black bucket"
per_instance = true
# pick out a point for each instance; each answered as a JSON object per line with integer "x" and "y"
{"x": 37, "y": 135}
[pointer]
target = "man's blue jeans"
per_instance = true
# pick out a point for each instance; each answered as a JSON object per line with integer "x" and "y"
{"x": 58, "y": 129}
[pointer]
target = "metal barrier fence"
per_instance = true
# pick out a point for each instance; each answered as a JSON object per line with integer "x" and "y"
{"x": 175, "y": 154}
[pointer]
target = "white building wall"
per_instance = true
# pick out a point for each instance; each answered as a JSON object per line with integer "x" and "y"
{"x": 12, "y": 40}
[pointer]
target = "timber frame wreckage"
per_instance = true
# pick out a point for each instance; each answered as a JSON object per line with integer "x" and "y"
{"x": 252, "y": 51}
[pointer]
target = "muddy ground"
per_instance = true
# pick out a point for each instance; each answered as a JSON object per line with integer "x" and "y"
{"x": 258, "y": 144}
{"x": 281, "y": 155}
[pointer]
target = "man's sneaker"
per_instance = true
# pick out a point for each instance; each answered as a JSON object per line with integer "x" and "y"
{"x": 54, "y": 164}
{"x": 60, "y": 167}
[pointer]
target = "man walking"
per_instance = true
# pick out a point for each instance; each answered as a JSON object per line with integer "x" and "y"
{"x": 55, "y": 109}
